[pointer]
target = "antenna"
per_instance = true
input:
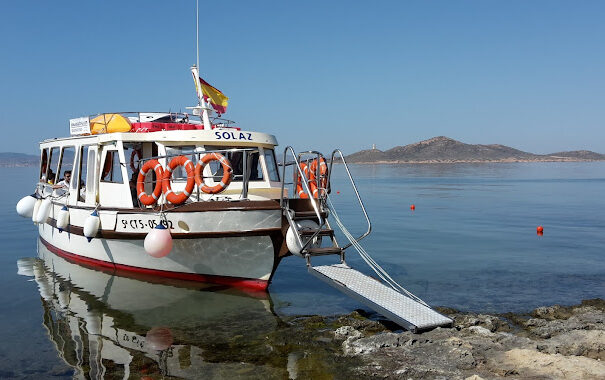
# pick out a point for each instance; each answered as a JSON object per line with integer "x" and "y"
{"x": 197, "y": 31}
{"x": 201, "y": 109}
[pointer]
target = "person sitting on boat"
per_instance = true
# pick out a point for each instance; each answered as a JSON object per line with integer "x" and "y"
{"x": 63, "y": 185}
{"x": 82, "y": 197}
{"x": 51, "y": 177}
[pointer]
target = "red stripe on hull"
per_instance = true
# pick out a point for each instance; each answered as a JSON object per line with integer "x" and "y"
{"x": 238, "y": 282}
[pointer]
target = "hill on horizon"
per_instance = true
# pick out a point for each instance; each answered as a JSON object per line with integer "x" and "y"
{"x": 10, "y": 159}
{"x": 445, "y": 149}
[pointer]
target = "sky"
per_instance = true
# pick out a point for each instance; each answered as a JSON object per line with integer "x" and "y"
{"x": 316, "y": 74}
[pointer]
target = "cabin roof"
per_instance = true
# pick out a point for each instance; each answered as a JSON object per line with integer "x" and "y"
{"x": 217, "y": 136}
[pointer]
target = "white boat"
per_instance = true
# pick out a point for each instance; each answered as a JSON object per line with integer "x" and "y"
{"x": 120, "y": 177}
{"x": 166, "y": 195}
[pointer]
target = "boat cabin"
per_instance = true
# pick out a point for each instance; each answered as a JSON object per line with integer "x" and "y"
{"x": 104, "y": 167}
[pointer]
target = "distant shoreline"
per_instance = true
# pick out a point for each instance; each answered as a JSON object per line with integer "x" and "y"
{"x": 18, "y": 165}
{"x": 503, "y": 161}
{"x": 337, "y": 161}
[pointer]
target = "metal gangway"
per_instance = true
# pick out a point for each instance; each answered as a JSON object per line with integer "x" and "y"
{"x": 385, "y": 296}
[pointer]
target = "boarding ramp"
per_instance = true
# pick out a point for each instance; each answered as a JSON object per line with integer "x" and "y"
{"x": 385, "y": 296}
{"x": 397, "y": 307}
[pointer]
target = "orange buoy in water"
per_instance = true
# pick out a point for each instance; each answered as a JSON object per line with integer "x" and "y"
{"x": 413, "y": 207}
{"x": 540, "y": 230}
{"x": 338, "y": 192}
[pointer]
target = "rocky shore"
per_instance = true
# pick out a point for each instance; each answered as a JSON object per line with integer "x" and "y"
{"x": 549, "y": 343}
{"x": 556, "y": 342}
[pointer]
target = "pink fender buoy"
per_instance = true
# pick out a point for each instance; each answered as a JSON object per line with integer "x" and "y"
{"x": 158, "y": 242}
{"x": 159, "y": 338}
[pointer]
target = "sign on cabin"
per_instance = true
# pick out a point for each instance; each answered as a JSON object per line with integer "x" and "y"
{"x": 79, "y": 126}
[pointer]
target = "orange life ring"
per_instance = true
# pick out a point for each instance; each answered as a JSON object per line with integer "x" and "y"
{"x": 171, "y": 196}
{"x": 323, "y": 174}
{"x": 136, "y": 152}
{"x": 157, "y": 191}
{"x": 227, "y": 173}
{"x": 299, "y": 187}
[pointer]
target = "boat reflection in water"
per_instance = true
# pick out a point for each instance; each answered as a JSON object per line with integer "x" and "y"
{"x": 103, "y": 324}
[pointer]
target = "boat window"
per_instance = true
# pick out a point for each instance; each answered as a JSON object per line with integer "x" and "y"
{"x": 84, "y": 151}
{"x": 179, "y": 173}
{"x": 256, "y": 169}
{"x": 51, "y": 176}
{"x": 43, "y": 165}
{"x": 66, "y": 165}
{"x": 112, "y": 170}
{"x": 236, "y": 160}
{"x": 133, "y": 153}
{"x": 271, "y": 165}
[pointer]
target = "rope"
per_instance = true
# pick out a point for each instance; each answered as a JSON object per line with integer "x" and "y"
{"x": 369, "y": 260}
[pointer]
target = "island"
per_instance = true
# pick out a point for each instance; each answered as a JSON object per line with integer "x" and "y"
{"x": 443, "y": 149}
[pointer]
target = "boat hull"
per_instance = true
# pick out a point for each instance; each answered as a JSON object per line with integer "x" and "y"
{"x": 243, "y": 258}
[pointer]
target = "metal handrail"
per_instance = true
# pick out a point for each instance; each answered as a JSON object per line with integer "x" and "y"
{"x": 356, "y": 193}
{"x": 199, "y": 153}
{"x": 305, "y": 183}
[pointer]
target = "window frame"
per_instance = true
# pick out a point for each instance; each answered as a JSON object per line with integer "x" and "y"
{"x": 73, "y": 164}
{"x": 115, "y": 154}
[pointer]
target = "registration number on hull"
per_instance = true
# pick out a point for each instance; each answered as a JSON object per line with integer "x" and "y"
{"x": 140, "y": 223}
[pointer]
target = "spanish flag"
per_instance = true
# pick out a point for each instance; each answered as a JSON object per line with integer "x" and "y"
{"x": 217, "y": 99}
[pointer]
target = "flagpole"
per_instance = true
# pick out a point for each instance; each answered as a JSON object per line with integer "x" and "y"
{"x": 202, "y": 106}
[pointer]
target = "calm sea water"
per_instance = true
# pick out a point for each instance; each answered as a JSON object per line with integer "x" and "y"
{"x": 470, "y": 244}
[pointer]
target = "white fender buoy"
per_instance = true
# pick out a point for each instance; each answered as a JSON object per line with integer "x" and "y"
{"x": 158, "y": 242}
{"x": 91, "y": 225}
{"x": 43, "y": 211}
{"x": 291, "y": 241}
{"x": 36, "y": 208}
{"x": 25, "y": 206}
{"x": 44, "y": 286}
{"x": 25, "y": 267}
{"x": 63, "y": 218}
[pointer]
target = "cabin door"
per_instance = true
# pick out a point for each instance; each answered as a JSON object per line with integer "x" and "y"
{"x": 114, "y": 190}
{"x": 88, "y": 173}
